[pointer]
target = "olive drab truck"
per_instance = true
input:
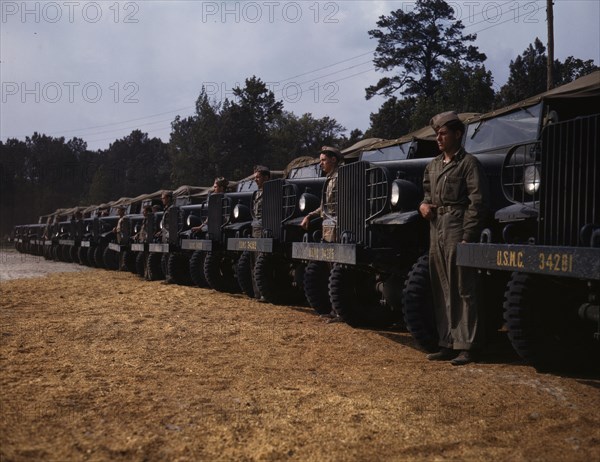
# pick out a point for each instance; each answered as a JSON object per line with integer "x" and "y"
{"x": 265, "y": 264}
{"x": 545, "y": 245}
{"x": 379, "y": 232}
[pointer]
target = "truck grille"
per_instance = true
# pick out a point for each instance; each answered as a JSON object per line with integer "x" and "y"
{"x": 521, "y": 158}
{"x": 352, "y": 193}
{"x": 570, "y": 191}
{"x": 215, "y": 216}
{"x": 377, "y": 191}
{"x": 273, "y": 207}
{"x": 290, "y": 197}
{"x": 226, "y": 209}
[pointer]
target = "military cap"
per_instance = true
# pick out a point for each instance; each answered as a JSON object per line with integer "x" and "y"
{"x": 262, "y": 170}
{"x": 334, "y": 151}
{"x": 438, "y": 121}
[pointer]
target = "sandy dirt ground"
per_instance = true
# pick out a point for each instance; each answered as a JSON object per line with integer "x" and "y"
{"x": 100, "y": 365}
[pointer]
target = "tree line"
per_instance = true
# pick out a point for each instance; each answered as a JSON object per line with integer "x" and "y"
{"x": 433, "y": 67}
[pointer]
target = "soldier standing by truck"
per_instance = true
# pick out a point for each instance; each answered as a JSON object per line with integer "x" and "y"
{"x": 455, "y": 202}
{"x": 261, "y": 175}
{"x": 219, "y": 187}
{"x": 330, "y": 159}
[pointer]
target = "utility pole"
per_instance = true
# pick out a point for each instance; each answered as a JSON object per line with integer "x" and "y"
{"x": 550, "y": 66}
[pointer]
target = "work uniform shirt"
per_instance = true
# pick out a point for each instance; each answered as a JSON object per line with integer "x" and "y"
{"x": 328, "y": 207}
{"x": 164, "y": 224}
{"x": 459, "y": 189}
{"x": 458, "y": 186}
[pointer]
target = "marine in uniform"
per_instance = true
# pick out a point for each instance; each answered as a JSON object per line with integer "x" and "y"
{"x": 329, "y": 159}
{"x": 456, "y": 203}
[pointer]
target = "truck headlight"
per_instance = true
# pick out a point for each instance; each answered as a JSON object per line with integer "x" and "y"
{"x": 395, "y": 196}
{"x": 136, "y": 228}
{"x": 302, "y": 203}
{"x": 308, "y": 202}
{"x": 531, "y": 180}
{"x": 404, "y": 195}
{"x": 241, "y": 213}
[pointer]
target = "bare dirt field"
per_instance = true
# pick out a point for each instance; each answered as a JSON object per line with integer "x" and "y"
{"x": 99, "y": 365}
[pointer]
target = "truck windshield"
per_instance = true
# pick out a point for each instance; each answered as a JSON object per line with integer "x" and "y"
{"x": 506, "y": 130}
{"x": 308, "y": 171}
{"x": 396, "y": 152}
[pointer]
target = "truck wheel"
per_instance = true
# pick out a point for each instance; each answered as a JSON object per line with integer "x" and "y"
{"x": 64, "y": 253}
{"x": 355, "y": 298}
{"x": 74, "y": 254}
{"x": 82, "y": 256}
{"x": 197, "y": 268}
{"x": 99, "y": 256}
{"x": 178, "y": 269}
{"x": 543, "y": 325}
{"x": 278, "y": 279}
{"x": 244, "y": 274}
{"x": 417, "y": 304}
{"x": 56, "y": 253}
{"x": 128, "y": 258}
{"x": 154, "y": 267}
{"x": 140, "y": 264}
{"x": 219, "y": 273}
{"x": 111, "y": 259}
{"x": 316, "y": 290}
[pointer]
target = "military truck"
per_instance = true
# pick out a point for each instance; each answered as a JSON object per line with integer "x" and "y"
{"x": 265, "y": 262}
{"x": 186, "y": 260}
{"x": 228, "y": 217}
{"x": 545, "y": 245}
{"x": 380, "y": 233}
{"x": 160, "y": 248}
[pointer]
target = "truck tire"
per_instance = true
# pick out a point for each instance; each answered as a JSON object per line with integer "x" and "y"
{"x": 197, "y": 268}
{"x": 219, "y": 273}
{"x": 316, "y": 291}
{"x": 179, "y": 269}
{"x": 99, "y": 256}
{"x": 56, "y": 253}
{"x": 82, "y": 255}
{"x": 140, "y": 264}
{"x": 244, "y": 274}
{"x": 417, "y": 305}
{"x": 128, "y": 259}
{"x": 543, "y": 325}
{"x": 65, "y": 253}
{"x": 74, "y": 254}
{"x": 154, "y": 269}
{"x": 111, "y": 259}
{"x": 355, "y": 298}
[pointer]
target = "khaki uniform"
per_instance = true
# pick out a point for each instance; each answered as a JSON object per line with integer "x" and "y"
{"x": 257, "y": 214}
{"x": 328, "y": 208}
{"x": 165, "y": 224}
{"x": 460, "y": 191}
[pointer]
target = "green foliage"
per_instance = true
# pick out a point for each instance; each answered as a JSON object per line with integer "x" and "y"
{"x": 131, "y": 166}
{"x": 41, "y": 174}
{"x": 392, "y": 120}
{"x": 528, "y": 74}
{"x": 418, "y": 45}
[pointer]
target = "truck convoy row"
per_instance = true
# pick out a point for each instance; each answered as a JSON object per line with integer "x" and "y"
{"x": 539, "y": 256}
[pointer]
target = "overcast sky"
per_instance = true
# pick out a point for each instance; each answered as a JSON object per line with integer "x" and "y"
{"x": 98, "y": 70}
